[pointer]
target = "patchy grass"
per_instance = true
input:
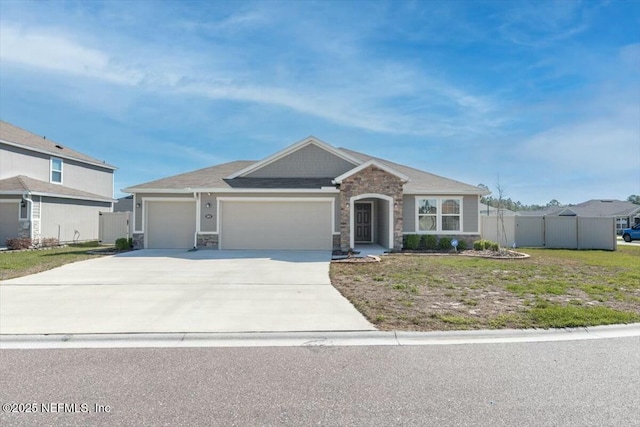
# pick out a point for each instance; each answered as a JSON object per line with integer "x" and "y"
{"x": 553, "y": 288}
{"x": 21, "y": 263}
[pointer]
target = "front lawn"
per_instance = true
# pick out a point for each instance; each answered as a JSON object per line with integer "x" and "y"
{"x": 552, "y": 289}
{"x": 21, "y": 263}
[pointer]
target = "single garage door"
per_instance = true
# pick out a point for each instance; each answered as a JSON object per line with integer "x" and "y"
{"x": 8, "y": 221}
{"x": 170, "y": 225}
{"x": 288, "y": 225}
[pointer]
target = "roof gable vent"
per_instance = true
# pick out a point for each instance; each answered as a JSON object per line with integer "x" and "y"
{"x": 60, "y": 147}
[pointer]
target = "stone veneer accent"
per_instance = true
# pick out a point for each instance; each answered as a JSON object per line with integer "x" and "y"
{"x": 371, "y": 180}
{"x": 208, "y": 241}
{"x": 24, "y": 233}
{"x": 138, "y": 240}
{"x": 336, "y": 241}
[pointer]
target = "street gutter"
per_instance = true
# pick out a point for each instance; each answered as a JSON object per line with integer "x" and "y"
{"x": 311, "y": 339}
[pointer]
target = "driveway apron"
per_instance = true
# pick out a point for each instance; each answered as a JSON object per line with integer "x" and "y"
{"x": 177, "y": 291}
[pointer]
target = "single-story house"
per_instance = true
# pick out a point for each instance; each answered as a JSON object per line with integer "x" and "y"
{"x": 308, "y": 196}
{"x": 49, "y": 190}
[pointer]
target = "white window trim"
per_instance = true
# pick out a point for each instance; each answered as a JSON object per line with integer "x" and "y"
{"x": 439, "y": 215}
{"x": 51, "y": 170}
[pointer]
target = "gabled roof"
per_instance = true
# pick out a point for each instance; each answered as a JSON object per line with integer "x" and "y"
{"x": 211, "y": 177}
{"x": 18, "y": 137}
{"x": 227, "y": 176}
{"x": 421, "y": 182}
{"x": 18, "y": 185}
{"x": 368, "y": 163}
{"x": 590, "y": 208}
{"x": 310, "y": 140}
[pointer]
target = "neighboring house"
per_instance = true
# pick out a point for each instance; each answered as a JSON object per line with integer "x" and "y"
{"x": 626, "y": 214}
{"x": 124, "y": 204}
{"x": 310, "y": 195}
{"x": 48, "y": 190}
{"x": 491, "y": 211}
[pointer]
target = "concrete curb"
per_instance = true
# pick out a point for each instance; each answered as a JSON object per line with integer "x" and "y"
{"x": 309, "y": 339}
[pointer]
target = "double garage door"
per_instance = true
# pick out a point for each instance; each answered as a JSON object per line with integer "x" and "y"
{"x": 248, "y": 224}
{"x": 293, "y": 225}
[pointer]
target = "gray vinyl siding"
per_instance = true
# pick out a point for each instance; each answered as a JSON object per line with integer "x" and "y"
{"x": 87, "y": 178}
{"x": 470, "y": 208}
{"x": 17, "y": 161}
{"x": 69, "y": 220}
{"x": 409, "y": 214}
{"x": 80, "y": 176}
{"x": 308, "y": 162}
{"x": 137, "y": 212}
{"x": 210, "y": 224}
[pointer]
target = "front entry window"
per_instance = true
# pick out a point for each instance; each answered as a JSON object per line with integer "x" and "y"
{"x": 428, "y": 214}
{"x": 438, "y": 215}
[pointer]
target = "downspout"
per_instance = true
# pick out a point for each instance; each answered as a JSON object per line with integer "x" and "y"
{"x": 26, "y": 197}
{"x": 195, "y": 234}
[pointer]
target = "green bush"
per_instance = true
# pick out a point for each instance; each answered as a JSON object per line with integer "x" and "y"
{"x": 123, "y": 244}
{"x": 412, "y": 241}
{"x": 462, "y": 245}
{"x": 483, "y": 244}
{"x": 444, "y": 243}
{"x": 429, "y": 242}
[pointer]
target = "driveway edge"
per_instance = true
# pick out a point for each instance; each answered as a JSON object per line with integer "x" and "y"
{"x": 310, "y": 339}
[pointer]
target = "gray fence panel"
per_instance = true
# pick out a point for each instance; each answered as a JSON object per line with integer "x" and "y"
{"x": 597, "y": 233}
{"x": 561, "y": 232}
{"x": 114, "y": 225}
{"x": 529, "y": 231}
{"x": 501, "y": 231}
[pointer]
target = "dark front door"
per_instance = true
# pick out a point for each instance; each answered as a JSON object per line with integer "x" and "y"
{"x": 363, "y": 222}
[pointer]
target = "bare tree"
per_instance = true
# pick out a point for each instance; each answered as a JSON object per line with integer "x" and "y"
{"x": 500, "y": 228}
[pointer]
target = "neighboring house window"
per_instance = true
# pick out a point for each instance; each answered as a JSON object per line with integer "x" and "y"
{"x": 56, "y": 170}
{"x": 439, "y": 215}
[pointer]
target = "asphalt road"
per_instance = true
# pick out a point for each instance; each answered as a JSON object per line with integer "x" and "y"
{"x": 568, "y": 383}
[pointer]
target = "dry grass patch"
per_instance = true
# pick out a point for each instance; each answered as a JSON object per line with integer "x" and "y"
{"x": 553, "y": 288}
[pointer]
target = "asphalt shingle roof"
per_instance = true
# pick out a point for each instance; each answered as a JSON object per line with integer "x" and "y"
{"x": 21, "y": 183}
{"x": 214, "y": 177}
{"x": 15, "y": 135}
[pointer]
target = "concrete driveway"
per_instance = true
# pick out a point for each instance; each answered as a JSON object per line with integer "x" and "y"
{"x": 178, "y": 291}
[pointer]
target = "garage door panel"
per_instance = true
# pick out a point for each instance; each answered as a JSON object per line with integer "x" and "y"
{"x": 9, "y": 223}
{"x": 170, "y": 225}
{"x": 276, "y": 225}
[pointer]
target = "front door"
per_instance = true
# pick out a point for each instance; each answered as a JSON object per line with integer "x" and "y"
{"x": 363, "y": 222}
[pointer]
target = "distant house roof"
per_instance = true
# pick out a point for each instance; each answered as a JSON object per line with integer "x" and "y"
{"x": 590, "y": 208}
{"x": 13, "y": 135}
{"x": 217, "y": 177}
{"x": 18, "y": 185}
{"x": 124, "y": 204}
{"x": 490, "y": 210}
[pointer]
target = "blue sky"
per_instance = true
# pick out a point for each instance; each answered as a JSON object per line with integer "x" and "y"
{"x": 542, "y": 96}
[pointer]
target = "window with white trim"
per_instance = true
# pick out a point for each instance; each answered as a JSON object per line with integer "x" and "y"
{"x": 56, "y": 170}
{"x": 439, "y": 214}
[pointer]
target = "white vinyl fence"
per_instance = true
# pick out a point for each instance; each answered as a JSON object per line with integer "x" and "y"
{"x": 565, "y": 232}
{"x": 114, "y": 225}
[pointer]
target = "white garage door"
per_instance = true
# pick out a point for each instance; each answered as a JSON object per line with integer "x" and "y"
{"x": 295, "y": 225}
{"x": 170, "y": 225}
{"x": 8, "y": 221}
